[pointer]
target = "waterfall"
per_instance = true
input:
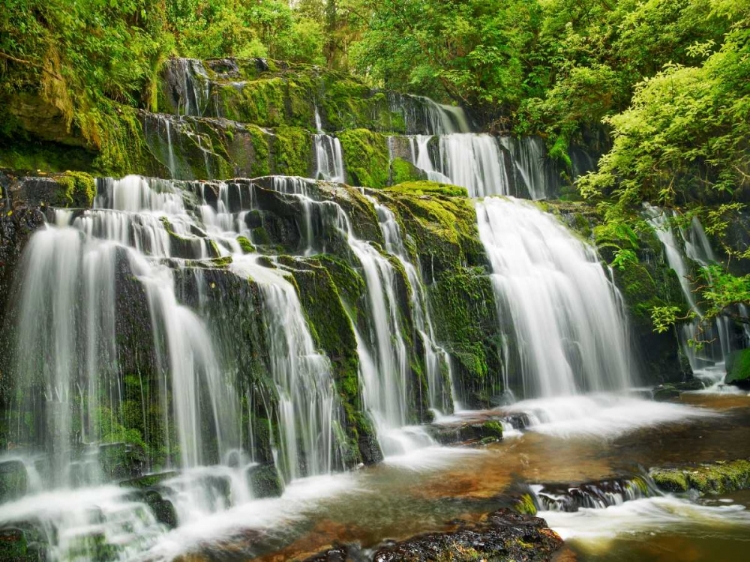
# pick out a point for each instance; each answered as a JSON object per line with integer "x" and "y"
{"x": 559, "y": 308}
{"x": 303, "y": 378}
{"x": 528, "y": 155}
{"x": 437, "y": 361}
{"x": 383, "y": 355}
{"x": 189, "y": 83}
{"x": 477, "y": 162}
{"x": 682, "y": 245}
{"x": 329, "y": 159}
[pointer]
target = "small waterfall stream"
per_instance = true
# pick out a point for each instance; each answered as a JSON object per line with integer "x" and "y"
{"x": 329, "y": 159}
{"x": 484, "y": 164}
{"x": 681, "y": 246}
{"x": 437, "y": 361}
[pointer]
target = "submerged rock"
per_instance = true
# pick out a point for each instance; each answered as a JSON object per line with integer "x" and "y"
{"x": 669, "y": 391}
{"x": 716, "y": 478}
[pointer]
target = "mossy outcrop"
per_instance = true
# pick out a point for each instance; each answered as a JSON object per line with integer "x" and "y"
{"x": 366, "y": 156}
{"x": 738, "y": 369}
{"x": 716, "y": 478}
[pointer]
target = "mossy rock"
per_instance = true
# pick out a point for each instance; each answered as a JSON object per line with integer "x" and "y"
{"x": 716, "y": 478}
{"x": 13, "y": 480}
{"x": 738, "y": 369}
{"x": 366, "y": 157}
{"x": 264, "y": 481}
{"x": 404, "y": 171}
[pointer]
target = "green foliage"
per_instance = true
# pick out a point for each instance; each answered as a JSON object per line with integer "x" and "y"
{"x": 77, "y": 189}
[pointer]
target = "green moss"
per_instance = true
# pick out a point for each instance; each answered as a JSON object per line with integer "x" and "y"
{"x": 366, "y": 157}
{"x": 429, "y": 188}
{"x": 738, "y": 368}
{"x": 246, "y": 245}
{"x": 716, "y": 478}
{"x": 404, "y": 171}
{"x": 77, "y": 189}
{"x": 670, "y": 480}
{"x": 332, "y": 329}
{"x": 466, "y": 321}
{"x": 525, "y": 505}
{"x": 261, "y": 165}
{"x": 48, "y": 157}
{"x": 292, "y": 151}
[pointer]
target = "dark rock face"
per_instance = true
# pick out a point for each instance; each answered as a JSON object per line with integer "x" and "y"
{"x": 673, "y": 390}
{"x": 501, "y": 536}
{"x": 16, "y": 228}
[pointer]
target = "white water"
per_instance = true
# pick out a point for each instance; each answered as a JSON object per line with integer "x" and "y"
{"x": 329, "y": 158}
{"x": 307, "y": 405}
{"x": 707, "y": 362}
{"x": 436, "y": 359}
{"x": 190, "y": 81}
{"x": 596, "y": 528}
{"x": 600, "y": 415}
{"x": 556, "y": 303}
{"x": 477, "y": 161}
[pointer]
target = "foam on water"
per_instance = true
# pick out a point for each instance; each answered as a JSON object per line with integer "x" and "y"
{"x": 647, "y": 515}
{"x": 600, "y": 415}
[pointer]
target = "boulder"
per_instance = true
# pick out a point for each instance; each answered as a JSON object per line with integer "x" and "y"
{"x": 264, "y": 481}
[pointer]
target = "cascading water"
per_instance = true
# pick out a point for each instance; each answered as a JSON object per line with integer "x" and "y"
{"x": 437, "y": 361}
{"x": 483, "y": 164}
{"x": 707, "y": 362}
{"x": 69, "y": 360}
{"x": 190, "y": 85}
{"x": 383, "y": 354}
{"x": 561, "y": 312}
{"x": 529, "y": 156}
{"x": 329, "y": 159}
{"x": 307, "y": 406}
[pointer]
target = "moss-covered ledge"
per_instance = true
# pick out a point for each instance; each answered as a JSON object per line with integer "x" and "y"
{"x": 720, "y": 477}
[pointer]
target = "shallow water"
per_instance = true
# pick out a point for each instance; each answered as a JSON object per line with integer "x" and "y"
{"x": 571, "y": 441}
{"x": 429, "y": 489}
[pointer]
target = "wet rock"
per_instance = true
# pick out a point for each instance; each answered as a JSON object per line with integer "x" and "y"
{"x": 264, "y": 481}
{"x": 501, "y": 536}
{"x": 23, "y": 541}
{"x": 340, "y": 553}
{"x": 13, "y": 480}
{"x": 593, "y": 495}
{"x": 716, "y": 478}
{"x": 369, "y": 449}
{"x": 121, "y": 460}
{"x": 482, "y": 432}
{"x": 672, "y": 391}
{"x": 163, "y": 509}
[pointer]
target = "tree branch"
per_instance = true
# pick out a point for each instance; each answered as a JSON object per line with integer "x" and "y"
{"x": 30, "y": 63}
